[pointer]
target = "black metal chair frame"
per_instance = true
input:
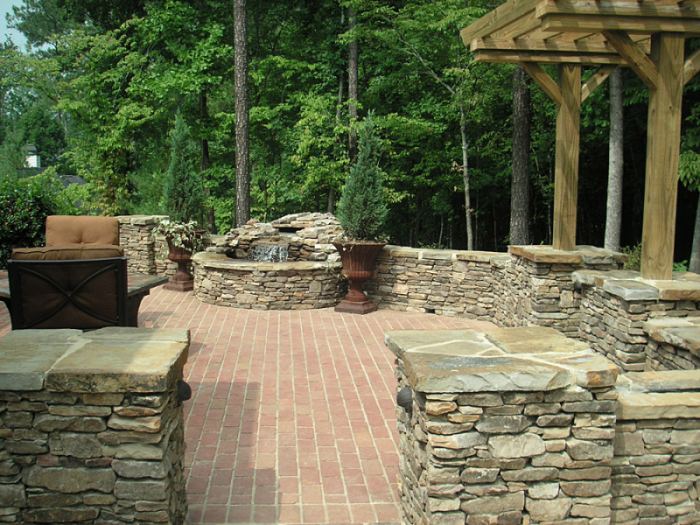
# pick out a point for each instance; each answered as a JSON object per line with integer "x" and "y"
{"x": 16, "y": 268}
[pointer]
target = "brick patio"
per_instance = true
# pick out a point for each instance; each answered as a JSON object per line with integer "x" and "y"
{"x": 292, "y": 416}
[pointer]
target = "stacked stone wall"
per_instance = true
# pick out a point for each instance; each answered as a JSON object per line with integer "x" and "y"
{"x": 137, "y": 239}
{"x": 266, "y": 286}
{"x": 85, "y": 448}
{"x": 445, "y": 282}
{"x": 656, "y": 470}
{"x": 613, "y": 317}
{"x": 673, "y": 344}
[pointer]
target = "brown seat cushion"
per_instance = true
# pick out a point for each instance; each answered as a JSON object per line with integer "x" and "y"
{"x": 67, "y": 252}
{"x": 81, "y": 229}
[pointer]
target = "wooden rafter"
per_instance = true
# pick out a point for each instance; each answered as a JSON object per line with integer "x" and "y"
{"x": 542, "y": 57}
{"x": 644, "y": 9}
{"x": 640, "y": 25}
{"x": 496, "y": 19}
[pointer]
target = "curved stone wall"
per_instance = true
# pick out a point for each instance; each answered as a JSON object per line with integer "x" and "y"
{"x": 297, "y": 285}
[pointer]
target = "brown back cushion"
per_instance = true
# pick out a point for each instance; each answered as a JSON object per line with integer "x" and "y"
{"x": 81, "y": 229}
{"x": 67, "y": 252}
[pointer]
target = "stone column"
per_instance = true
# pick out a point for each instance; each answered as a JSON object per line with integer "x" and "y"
{"x": 137, "y": 239}
{"x": 92, "y": 426}
{"x": 537, "y": 288}
{"x": 507, "y": 426}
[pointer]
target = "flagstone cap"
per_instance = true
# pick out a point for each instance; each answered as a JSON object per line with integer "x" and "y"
{"x": 581, "y": 255}
{"x": 498, "y": 360}
{"x": 667, "y": 394}
{"x": 683, "y": 332}
{"x": 629, "y": 285}
{"x": 219, "y": 261}
{"x": 117, "y": 359}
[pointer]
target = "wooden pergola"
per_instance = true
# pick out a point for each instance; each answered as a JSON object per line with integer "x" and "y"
{"x": 647, "y": 36}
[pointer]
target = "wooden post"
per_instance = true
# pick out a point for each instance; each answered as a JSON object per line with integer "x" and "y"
{"x": 567, "y": 157}
{"x": 663, "y": 149}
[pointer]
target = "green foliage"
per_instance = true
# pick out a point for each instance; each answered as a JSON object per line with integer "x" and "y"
{"x": 362, "y": 208}
{"x": 634, "y": 257}
{"x": 25, "y": 203}
{"x": 183, "y": 187}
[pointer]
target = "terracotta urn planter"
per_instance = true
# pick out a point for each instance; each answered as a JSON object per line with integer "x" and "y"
{"x": 359, "y": 260}
{"x": 181, "y": 280}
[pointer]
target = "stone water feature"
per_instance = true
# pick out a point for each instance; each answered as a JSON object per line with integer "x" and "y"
{"x": 287, "y": 264}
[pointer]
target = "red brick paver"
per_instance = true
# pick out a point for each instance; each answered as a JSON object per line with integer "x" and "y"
{"x": 292, "y": 415}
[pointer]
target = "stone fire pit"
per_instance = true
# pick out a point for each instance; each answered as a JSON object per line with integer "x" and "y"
{"x": 288, "y": 264}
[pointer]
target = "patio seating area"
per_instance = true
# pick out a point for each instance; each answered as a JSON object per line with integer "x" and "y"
{"x": 292, "y": 418}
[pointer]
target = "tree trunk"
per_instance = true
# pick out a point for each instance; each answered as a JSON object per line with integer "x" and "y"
{"x": 205, "y": 161}
{"x": 465, "y": 177}
{"x": 613, "y": 211}
{"x": 352, "y": 88}
{"x": 694, "y": 265}
{"x": 520, "y": 183}
{"x": 241, "y": 86}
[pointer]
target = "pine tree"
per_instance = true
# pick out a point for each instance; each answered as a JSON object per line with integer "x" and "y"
{"x": 183, "y": 187}
{"x": 362, "y": 208}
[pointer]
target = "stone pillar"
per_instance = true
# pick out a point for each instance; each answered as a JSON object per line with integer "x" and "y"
{"x": 508, "y": 426}
{"x": 537, "y": 288}
{"x": 92, "y": 426}
{"x": 616, "y": 305}
{"x": 656, "y": 470}
{"x": 674, "y": 343}
{"x": 137, "y": 239}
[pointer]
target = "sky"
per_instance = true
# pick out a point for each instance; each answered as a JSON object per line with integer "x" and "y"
{"x": 15, "y": 36}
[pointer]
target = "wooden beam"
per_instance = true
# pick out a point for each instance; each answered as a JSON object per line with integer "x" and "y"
{"x": 567, "y": 158}
{"x": 635, "y": 57}
{"x": 619, "y": 8}
{"x": 544, "y": 57}
{"x": 547, "y": 83}
{"x": 528, "y": 44}
{"x": 630, "y": 24}
{"x": 663, "y": 150}
{"x": 595, "y": 81}
{"x": 691, "y": 67}
{"x": 496, "y": 19}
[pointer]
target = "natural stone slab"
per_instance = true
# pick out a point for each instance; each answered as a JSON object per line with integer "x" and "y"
{"x": 72, "y": 480}
{"x": 677, "y": 290}
{"x": 121, "y": 360}
{"x": 681, "y": 332}
{"x": 631, "y": 290}
{"x": 638, "y": 405}
{"x": 661, "y": 381}
{"x": 519, "y": 446}
{"x": 498, "y": 360}
{"x": 219, "y": 261}
{"x": 581, "y": 254}
{"x": 27, "y": 355}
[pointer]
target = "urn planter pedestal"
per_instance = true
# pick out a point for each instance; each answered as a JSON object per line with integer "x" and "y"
{"x": 181, "y": 280}
{"x": 359, "y": 259}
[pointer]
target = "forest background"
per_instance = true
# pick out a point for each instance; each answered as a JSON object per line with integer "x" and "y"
{"x": 99, "y": 85}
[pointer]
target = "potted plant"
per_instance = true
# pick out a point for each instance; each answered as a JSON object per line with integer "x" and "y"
{"x": 184, "y": 197}
{"x": 362, "y": 213}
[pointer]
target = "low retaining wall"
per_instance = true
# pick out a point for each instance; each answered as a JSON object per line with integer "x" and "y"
{"x": 656, "y": 470}
{"x": 674, "y": 344}
{"x": 524, "y": 425}
{"x": 616, "y": 305}
{"x": 91, "y": 426}
{"x": 266, "y": 286}
{"x": 139, "y": 243}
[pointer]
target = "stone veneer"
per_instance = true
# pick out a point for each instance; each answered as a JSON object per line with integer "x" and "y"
{"x": 656, "y": 469}
{"x": 91, "y": 426}
{"x": 139, "y": 243}
{"x": 296, "y": 285}
{"x": 508, "y": 426}
{"x": 524, "y": 425}
{"x": 615, "y": 306}
{"x": 674, "y": 343}
{"x": 445, "y": 282}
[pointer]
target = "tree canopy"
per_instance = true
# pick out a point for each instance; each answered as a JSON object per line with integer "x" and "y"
{"x": 99, "y": 89}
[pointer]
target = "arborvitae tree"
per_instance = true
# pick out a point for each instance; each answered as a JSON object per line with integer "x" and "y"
{"x": 183, "y": 186}
{"x": 362, "y": 207}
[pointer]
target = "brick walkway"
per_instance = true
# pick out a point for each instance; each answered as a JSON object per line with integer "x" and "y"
{"x": 292, "y": 416}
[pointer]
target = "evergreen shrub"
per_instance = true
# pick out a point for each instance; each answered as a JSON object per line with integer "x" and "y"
{"x": 184, "y": 193}
{"x": 362, "y": 207}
